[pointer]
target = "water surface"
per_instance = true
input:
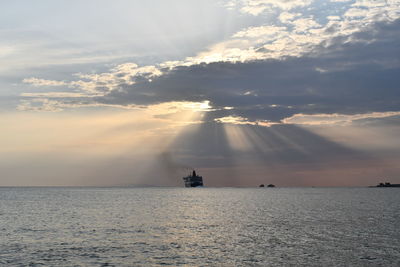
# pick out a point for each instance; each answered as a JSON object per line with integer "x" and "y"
{"x": 199, "y": 227}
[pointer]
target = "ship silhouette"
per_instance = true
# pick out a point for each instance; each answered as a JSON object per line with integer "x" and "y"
{"x": 193, "y": 180}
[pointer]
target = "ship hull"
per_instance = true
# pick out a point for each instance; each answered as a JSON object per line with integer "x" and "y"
{"x": 191, "y": 181}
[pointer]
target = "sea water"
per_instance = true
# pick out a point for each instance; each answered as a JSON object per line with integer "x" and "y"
{"x": 199, "y": 227}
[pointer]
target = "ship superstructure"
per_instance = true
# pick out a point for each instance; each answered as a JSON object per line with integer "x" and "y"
{"x": 193, "y": 180}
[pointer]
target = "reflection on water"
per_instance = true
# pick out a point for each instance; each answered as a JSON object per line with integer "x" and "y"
{"x": 199, "y": 227}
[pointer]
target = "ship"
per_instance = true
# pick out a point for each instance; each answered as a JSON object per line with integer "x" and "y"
{"x": 193, "y": 180}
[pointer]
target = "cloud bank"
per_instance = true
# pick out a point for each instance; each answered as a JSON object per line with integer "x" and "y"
{"x": 341, "y": 64}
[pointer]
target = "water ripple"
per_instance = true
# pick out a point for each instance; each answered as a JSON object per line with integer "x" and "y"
{"x": 207, "y": 227}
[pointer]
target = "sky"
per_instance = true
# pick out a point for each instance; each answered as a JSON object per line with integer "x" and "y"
{"x": 138, "y": 93}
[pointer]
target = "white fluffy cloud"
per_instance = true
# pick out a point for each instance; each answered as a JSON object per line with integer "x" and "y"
{"x": 43, "y": 82}
{"x": 257, "y": 7}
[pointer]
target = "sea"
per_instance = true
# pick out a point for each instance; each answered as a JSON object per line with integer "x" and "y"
{"x": 84, "y": 226}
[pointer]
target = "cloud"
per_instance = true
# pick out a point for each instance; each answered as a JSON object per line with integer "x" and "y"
{"x": 294, "y": 33}
{"x": 95, "y": 85}
{"x": 342, "y": 119}
{"x": 58, "y": 102}
{"x": 54, "y": 95}
{"x": 257, "y": 32}
{"x": 305, "y": 25}
{"x": 257, "y": 7}
{"x": 43, "y": 82}
{"x": 264, "y": 74}
{"x": 345, "y": 77}
{"x": 286, "y": 17}
{"x": 243, "y": 121}
{"x": 353, "y": 75}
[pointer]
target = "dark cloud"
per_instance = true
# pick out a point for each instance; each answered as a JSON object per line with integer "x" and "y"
{"x": 357, "y": 74}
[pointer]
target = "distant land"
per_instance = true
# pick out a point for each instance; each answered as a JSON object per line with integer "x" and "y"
{"x": 386, "y": 185}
